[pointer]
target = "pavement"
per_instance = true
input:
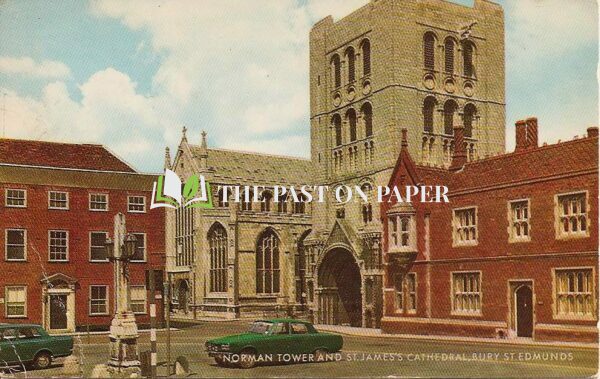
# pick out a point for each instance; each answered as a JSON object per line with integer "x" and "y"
{"x": 371, "y": 353}
{"x": 355, "y": 331}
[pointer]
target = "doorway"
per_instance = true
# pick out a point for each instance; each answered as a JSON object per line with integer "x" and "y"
{"x": 524, "y": 311}
{"x": 340, "y": 298}
{"x": 58, "y": 312}
{"x": 58, "y": 291}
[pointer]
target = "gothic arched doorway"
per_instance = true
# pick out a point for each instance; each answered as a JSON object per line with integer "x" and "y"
{"x": 340, "y": 297}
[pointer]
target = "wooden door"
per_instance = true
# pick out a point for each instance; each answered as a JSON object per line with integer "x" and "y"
{"x": 524, "y": 305}
{"x": 58, "y": 311}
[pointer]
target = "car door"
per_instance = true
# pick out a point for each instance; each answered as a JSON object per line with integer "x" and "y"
{"x": 279, "y": 340}
{"x": 9, "y": 347}
{"x": 30, "y": 342}
{"x": 300, "y": 341}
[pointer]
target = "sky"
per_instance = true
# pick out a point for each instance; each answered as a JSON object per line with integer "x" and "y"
{"x": 130, "y": 74}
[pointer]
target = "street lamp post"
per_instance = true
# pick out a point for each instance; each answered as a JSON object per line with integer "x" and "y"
{"x": 124, "y": 356}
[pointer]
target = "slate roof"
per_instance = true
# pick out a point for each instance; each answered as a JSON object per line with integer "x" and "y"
{"x": 77, "y": 178}
{"x": 256, "y": 168}
{"x": 60, "y": 155}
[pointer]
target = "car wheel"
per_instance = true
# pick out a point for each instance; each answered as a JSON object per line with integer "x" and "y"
{"x": 220, "y": 362}
{"x": 42, "y": 360}
{"x": 320, "y": 355}
{"x": 247, "y": 359}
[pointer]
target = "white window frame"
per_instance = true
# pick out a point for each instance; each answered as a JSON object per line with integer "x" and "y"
{"x": 395, "y": 232}
{"x": 24, "y": 244}
{"x": 6, "y": 302}
{"x": 58, "y": 192}
{"x": 12, "y": 205}
{"x": 107, "y": 300}
{"x": 145, "y": 300}
{"x": 137, "y": 234}
{"x": 90, "y": 201}
{"x": 462, "y": 312}
{"x": 512, "y": 237}
{"x": 50, "y": 245}
{"x": 456, "y": 242}
{"x": 560, "y": 233}
{"x": 555, "y": 308}
{"x": 129, "y": 204}
{"x": 90, "y": 247}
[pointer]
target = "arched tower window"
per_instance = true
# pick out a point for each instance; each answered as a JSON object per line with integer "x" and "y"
{"x": 336, "y": 66}
{"x": 468, "y": 50}
{"x": 429, "y": 51}
{"x": 367, "y": 115}
{"x": 450, "y": 108}
{"x": 351, "y": 59}
{"x": 449, "y": 55}
{"x": 217, "y": 241}
{"x": 267, "y": 263}
{"x": 351, "y": 119}
{"x": 428, "y": 112}
{"x": 337, "y": 127}
{"x": 468, "y": 119}
{"x": 366, "y": 56}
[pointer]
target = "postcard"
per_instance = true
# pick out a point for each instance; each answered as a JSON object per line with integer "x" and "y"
{"x": 299, "y": 188}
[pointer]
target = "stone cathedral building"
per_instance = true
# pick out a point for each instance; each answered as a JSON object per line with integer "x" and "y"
{"x": 423, "y": 65}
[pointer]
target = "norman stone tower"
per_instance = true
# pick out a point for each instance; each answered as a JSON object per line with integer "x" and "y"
{"x": 423, "y": 65}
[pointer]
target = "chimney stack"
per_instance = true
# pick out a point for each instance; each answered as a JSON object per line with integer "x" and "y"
{"x": 459, "y": 158}
{"x": 520, "y": 135}
{"x": 404, "y": 142}
{"x": 532, "y": 132}
{"x": 592, "y": 131}
{"x": 526, "y": 134}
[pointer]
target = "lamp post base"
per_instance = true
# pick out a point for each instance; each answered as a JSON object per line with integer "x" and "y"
{"x": 124, "y": 356}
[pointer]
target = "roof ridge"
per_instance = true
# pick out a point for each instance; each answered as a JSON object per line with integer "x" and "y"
{"x": 254, "y": 153}
{"x": 528, "y": 151}
{"x": 52, "y": 142}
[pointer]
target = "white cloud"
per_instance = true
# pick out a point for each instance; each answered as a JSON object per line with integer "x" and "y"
{"x": 27, "y": 66}
{"x": 243, "y": 64}
{"x": 110, "y": 112}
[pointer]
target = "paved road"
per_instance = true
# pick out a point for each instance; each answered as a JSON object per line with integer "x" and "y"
{"x": 363, "y": 356}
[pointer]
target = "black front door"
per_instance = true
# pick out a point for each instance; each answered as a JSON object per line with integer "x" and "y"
{"x": 58, "y": 311}
{"x": 524, "y": 305}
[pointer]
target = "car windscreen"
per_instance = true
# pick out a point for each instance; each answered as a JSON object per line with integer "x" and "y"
{"x": 260, "y": 327}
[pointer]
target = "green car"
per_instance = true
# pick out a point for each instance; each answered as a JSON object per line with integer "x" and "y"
{"x": 277, "y": 340}
{"x": 30, "y": 344}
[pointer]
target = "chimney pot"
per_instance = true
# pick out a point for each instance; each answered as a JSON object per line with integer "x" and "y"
{"x": 592, "y": 131}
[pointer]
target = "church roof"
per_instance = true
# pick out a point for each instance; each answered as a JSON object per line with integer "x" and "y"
{"x": 256, "y": 168}
{"x": 60, "y": 155}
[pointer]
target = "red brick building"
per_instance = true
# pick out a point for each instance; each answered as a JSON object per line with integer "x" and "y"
{"x": 57, "y": 207}
{"x": 513, "y": 254}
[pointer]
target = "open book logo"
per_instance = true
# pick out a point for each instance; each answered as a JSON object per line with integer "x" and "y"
{"x": 170, "y": 192}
